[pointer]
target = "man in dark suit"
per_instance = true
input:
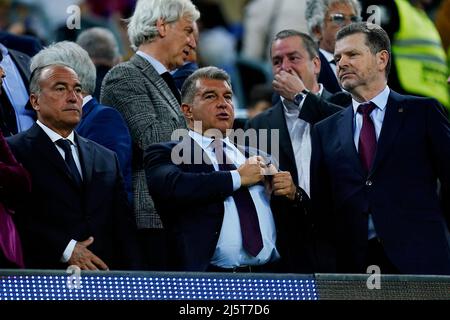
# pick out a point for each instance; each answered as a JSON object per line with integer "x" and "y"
{"x": 295, "y": 65}
{"x": 77, "y": 212}
{"x": 144, "y": 92}
{"x": 376, "y": 167}
{"x": 99, "y": 123}
{"x": 201, "y": 197}
{"x": 325, "y": 18}
{"x": 15, "y": 106}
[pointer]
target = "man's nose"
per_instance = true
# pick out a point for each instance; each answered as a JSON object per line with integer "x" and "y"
{"x": 192, "y": 42}
{"x": 73, "y": 95}
{"x": 286, "y": 65}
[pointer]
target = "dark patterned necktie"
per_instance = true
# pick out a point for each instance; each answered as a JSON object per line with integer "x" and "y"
{"x": 65, "y": 145}
{"x": 167, "y": 77}
{"x": 367, "y": 138}
{"x": 248, "y": 217}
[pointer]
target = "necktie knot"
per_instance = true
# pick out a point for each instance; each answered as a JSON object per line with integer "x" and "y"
{"x": 168, "y": 78}
{"x": 366, "y": 108}
{"x": 65, "y": 145}
{"x": 68, "y": 158}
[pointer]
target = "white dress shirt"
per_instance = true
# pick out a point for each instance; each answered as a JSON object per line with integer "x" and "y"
{"x": 300, "y": 134}
{"x": 330, "y": 58}
{"x": 229, "y": 251}
{"x": 55, "y": 137}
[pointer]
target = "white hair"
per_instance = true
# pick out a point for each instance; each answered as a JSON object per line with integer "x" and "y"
{"x": 72, "y": 55}
{"x": 142, "y": 24}
{"x": 316, "y": 10}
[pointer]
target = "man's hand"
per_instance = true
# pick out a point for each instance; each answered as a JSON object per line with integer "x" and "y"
{"x": 287, "y": 84}
{"x": 84, "y": 258}
{"x": 251, "y": 171}
{"x": 283, "y": 185}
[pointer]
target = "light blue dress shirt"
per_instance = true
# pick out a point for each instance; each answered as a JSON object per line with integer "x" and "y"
{"x": 16, "y": 91}
{"x": 377, "y": 116}
{"x": 159, "y": 67}
{"x": 229, "y": 251}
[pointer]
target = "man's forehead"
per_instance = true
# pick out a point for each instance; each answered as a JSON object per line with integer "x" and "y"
{"x": 204, "y": 84}
{"x": 356, "y": 40}
{"x": 58, "y": 71}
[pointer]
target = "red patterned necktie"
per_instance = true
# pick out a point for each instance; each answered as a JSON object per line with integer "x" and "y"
{"x": 248, "y": 217}
{"x": 367, "y": 138}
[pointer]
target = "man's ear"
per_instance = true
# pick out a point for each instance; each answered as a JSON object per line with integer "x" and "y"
{"x": 317, "y": 33}
{"x": 317, "y": 64}
{"x": 161, "y": 26}
{"x": 382, "y": 59}
{"x": 187, "y": 111}
{"x": 34, "y": 100}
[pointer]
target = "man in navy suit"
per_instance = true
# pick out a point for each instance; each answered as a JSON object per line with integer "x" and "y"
{"x": 99, "y": 123}
{"x": 198, "y": 200}
{"x": 303, "y": 102}
{"x": 77, "y": 212}
{"x": 376, "y": 167}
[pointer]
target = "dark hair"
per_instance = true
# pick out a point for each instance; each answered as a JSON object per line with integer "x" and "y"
{"x": 376, "y": 38}
{"x": 189, "y": 89}
{"x": 310, "y": 45}
{"x": 1, "y": 55}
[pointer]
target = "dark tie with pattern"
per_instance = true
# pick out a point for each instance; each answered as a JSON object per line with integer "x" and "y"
{"x": 65, "y": 145}
{"x": 171, "y": 83}
{"x": 367, "y": 138}
{"x": 248, "y": 217}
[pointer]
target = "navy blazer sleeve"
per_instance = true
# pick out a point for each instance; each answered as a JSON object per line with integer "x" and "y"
{"x": 438, "y": 130}
{"x": 108, "y": 128}
{"x": 172, "y": 182}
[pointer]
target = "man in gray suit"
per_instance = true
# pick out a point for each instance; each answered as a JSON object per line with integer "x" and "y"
{"x": 143, "y": 91}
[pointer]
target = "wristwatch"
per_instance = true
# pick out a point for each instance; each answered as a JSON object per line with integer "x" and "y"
{"x": 300, "y": 96}
{"x": 298, "y": 195}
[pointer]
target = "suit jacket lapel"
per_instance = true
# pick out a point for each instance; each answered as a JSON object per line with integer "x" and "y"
{"x": 159, "y": 83}
{"x": 86, "y": 158}
{"x": 43, "y": 145}
{"x": 345, "y": 131}
{"x": 392, "y": 122}
{"x": 279, "y": 122}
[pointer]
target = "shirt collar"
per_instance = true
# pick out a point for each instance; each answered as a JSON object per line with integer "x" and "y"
{"x": 329, "y": 56}
{"x": 87, "y": 99}
{"x": 159, "y": 67}
{"x": 56, "y": 136}
{"x": 4, "y": 50}
{"x": 380, "y": 100}
{"x": 204, "y": 141}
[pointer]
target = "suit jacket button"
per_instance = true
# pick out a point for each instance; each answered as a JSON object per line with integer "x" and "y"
{"x": 368, "y": 183}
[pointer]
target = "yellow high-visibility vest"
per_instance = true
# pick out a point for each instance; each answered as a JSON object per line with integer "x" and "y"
{"x": 419, "y": 56}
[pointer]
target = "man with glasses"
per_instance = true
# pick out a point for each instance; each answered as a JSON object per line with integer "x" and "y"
{"x": 325, "y": 18}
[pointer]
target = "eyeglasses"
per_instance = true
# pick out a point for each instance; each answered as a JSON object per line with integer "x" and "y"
{"x": 339, "y": 18}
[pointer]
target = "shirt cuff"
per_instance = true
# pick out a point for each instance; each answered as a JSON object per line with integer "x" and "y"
{"x": 68, "y": 252}
{"x": 236, "y": 179}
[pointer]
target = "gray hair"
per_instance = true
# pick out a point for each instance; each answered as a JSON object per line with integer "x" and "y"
{"x": 308, "y": 42}
{"x": 100, "y": 44}
{"x": 189, "y": 88}
{"x": 376, "y": 38}
{"x": 142, "y": 24}
{"x": 316, "y": 10}
{"x": 35, "y": 77}
{"x": 72, "y": 55}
